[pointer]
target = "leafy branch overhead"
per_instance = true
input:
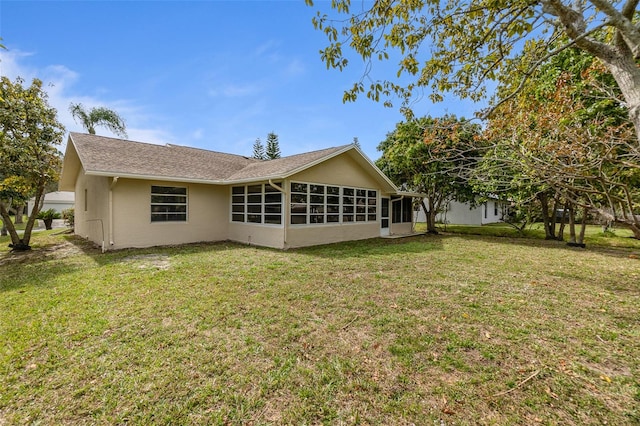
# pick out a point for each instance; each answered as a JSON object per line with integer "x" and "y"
{"x": 457, "y": 47}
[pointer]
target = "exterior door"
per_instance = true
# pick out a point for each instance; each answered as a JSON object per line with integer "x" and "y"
{"x": 384, "y": 217}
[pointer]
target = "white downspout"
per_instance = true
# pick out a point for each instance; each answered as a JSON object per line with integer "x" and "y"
{"x": 284, "y": 209}
{"x": 114, "y": 181}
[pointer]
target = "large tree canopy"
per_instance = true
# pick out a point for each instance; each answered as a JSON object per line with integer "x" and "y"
{"x": 569, "y": 135}
{"x": 29, "y": 159}
{"x": 432, "y": 156}
{"x": 457, "y": 45}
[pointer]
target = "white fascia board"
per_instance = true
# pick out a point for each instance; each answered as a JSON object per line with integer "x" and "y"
{"x": 151, "y": 177}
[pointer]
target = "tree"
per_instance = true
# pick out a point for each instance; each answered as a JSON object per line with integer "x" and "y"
{"x": 258, "y": 150}
{"x": 457, "y": 46}
{"x": 98, "y": 116}
{"x": 29, "y": 159}
{"x": 573, "y": 138}
{"x": 273, "y": 147}
{"x": 431, "y": 156}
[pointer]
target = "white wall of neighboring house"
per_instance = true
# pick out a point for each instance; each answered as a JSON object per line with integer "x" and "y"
{"x": 58, "y": 200}
{"x": 457, "y": 213}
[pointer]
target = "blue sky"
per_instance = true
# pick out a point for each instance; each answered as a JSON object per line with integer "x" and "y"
{"x": 209, "y": 74}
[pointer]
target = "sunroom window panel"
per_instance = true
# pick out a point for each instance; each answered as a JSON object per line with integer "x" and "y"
{"x": 298, "y": 219}
{"x": 299, "y": 187}
{"x": 316, "y": 189}
{"x": 273, "y": 198}
{"x": 273, "y": 219}
{"x": 298, "y": 198}
{"x": 262, "y": 204}
{"x": 273, "y": 208}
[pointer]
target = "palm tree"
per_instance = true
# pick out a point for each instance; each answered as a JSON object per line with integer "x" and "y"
{"x": 98, "y": 116}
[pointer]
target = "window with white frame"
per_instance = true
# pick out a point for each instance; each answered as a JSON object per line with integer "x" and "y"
{"x": 168, "y": 204}
{"x": 326, "y": 204}
{"x": 258, "y": 203}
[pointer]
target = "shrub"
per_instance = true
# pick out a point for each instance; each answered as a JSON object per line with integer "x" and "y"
{"x": 49, "y": 214}
{"x": 69, "y": 217}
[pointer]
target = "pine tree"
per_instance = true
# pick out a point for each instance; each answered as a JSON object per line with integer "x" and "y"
{"x": 273, "y": 146}
{"x": 258, "y": 150}
{"x": 356, "y": 142}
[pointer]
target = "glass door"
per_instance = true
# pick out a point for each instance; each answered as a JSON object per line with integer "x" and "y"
{"x": 384, "y": 217}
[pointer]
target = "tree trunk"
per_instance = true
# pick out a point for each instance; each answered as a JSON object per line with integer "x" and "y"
{"x": 577, "y": 241}
{"x": 583, "y": 227}
{"x": 430, "y": 215}
{"x": 19, "y": 213}
{"x": 627, "y": 74}
{"x": 548, "y": 220}
{"x": 563, "y": 221}
{"x": 572, "y": 226}
{"x": 636, "y": 231}
{"x": 6, "y": 220}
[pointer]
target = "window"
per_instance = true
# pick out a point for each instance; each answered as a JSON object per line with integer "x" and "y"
{"x": 260, "y": 203}
{"x": 495, "y": 208}
{"x": 168, "y": 204}
{"x": 319, "y": 204}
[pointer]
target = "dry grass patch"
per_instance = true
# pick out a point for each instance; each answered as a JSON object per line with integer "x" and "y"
{"x": 427, "y": 330}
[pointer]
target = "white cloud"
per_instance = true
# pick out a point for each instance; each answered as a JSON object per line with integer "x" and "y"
{"x": 295, "y": 68}
{"x": 235, "y": 90}
{"x": 58, "y": 81}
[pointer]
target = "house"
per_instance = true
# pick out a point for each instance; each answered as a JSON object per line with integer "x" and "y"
{"x": 133, "y": 194}
{"x": 459, "y": 213}
{"x": 58, "y": 201}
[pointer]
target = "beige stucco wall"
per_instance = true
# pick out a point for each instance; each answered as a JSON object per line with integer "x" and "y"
{"x": 92, "y": 223}
{"x": 340, "y": 170}
{"x": 207, "y": 215}
{"x": 403, "y": 228}
{"x": 260, "y": 235}
{"x": 310, "y": 235}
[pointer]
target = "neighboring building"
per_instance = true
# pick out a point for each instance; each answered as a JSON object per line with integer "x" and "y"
{"x": 132, "y": 194}
{"x": 58, "y": 201}
{"x": 457, "y": 213}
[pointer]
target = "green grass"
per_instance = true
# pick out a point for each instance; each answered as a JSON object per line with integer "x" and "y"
{"x": 618, "y": 237}
{"x": 427, "y": 330}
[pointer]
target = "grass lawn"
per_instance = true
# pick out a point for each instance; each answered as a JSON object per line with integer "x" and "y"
{"x": 618, "y": 237}
{"x": 430, "y": 330}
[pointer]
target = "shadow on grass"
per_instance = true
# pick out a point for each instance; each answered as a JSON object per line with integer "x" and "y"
{"x": 373, "y": 247}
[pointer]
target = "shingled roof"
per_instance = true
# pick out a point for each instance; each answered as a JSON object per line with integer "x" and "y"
{"x": 117, "y": 157}
{"x": 103, "y": 156}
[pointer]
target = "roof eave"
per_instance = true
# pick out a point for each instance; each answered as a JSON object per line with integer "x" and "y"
{"x": 153, "y": 177}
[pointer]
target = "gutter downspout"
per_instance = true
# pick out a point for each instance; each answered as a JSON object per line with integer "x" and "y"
{"x": 114, "y": 181}
{"x": 284, "y": 209}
